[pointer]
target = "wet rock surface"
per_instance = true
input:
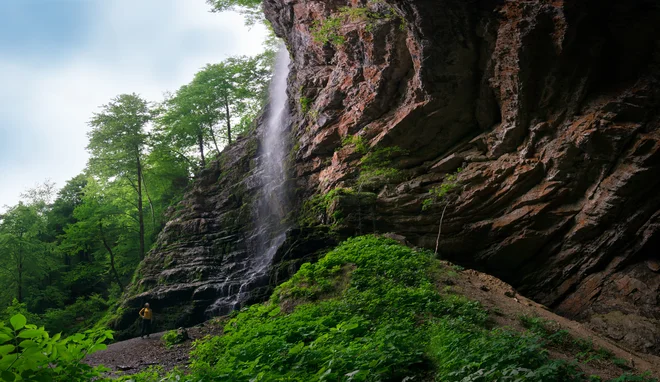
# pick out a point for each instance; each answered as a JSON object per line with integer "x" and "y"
{"x": 549, "y": 108}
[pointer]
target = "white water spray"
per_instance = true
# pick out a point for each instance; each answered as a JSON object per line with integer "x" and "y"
{"x": 271, "y": 206}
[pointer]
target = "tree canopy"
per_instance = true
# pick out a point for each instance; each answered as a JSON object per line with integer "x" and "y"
{"x": 67, "y": 255}
{"x": 250, "y": 9}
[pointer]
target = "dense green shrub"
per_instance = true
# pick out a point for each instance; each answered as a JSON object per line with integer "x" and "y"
{"x": 173, "y": 337}
{"x": 29, "y": 353}
{"x": 370, "y": 311}
{"x": 81, "y": 315}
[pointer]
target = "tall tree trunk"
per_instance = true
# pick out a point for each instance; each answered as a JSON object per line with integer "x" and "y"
{"x": 139, "y": 206}
{"x": 228, "y": 116}
{"x": 200, "y": 141}
{"x": 112, "y": 257}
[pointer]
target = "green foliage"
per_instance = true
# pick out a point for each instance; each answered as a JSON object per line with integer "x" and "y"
{"x": 250, "y": 9}
{"x": 315, "y": 209}
{"x": 29, "y": 353}
{"x": 635, "y": 378}
{"x": 376, "y": 176}
{"x": 305, "y": 104}
{"x": 536, "y": 324}
{"x": 329, "y": 29}
{"x": 437, "y": 194}
{"x": 221, "y": 102}
{"x": 84, "y": 313}
{"x": 465, "y": 353}
{"x": 620, "y": 362}
{"x": 154, "y": 374}
{"x": 357, "y": 141}
{"x": 381, "y": 157}
{"x": 376, "y": 167}
{"x": 172, "y": 337}
{"x": 369, "y": 311}
{"x": 23, "y": 255}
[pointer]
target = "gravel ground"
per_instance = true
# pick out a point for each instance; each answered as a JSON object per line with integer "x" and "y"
{"x": 134, "y": 355}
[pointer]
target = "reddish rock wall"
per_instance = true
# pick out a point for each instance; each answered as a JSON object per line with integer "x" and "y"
{"x": 552, "y": 109}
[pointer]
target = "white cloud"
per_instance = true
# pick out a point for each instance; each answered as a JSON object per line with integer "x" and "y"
{"x": 147, "y": 47}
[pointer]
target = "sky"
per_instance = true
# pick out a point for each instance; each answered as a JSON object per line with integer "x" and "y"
{"x": 60, "y": 60}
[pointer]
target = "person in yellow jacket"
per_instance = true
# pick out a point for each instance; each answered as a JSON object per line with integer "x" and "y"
{"x": 147, "y": 315}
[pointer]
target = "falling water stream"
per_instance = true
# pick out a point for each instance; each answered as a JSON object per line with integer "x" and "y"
{"x": 271, "y": 205}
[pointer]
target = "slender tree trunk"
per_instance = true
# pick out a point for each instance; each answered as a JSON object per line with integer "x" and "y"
{"x": 228, "y": 117}
{"x": 437, "y": 240}
{"x": 112, "y": 257}
{"x": 200, "y": 141}
{"x": 215, "y": 142}
{"x": 139, "y": 206}
{"x": 151, "y": 204}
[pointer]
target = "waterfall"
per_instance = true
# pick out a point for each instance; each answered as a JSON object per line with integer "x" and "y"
{"x": 271, "y": 205}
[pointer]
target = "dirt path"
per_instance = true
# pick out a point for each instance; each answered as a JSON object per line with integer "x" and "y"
{"x": 134, "y": 355}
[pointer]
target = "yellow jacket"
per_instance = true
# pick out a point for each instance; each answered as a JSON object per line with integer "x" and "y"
{"x": 145, "y": 313}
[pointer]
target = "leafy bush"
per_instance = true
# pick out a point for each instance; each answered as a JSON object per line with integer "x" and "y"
{"x": 81, "y": 315}
{"x": 154, "y": 374}
{"x": 369, "y": 311}
{"x": 173, "y": 337}
{"x": 465, "y": 353}
{"x": 29, "y": 353}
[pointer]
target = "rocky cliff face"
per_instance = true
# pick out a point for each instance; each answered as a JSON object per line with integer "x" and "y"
{"x": 550, "y": 109}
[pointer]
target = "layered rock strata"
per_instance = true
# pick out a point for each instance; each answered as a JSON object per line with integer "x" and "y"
{"x": 549, "y": 109}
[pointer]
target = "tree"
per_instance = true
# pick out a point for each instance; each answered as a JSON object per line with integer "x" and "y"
{"x": 22, "y": 254}
{"x": 101, "y": 224}
{"x": 61, "y": 211}
{"x": 250, "y": 9}
{"x": 117, "y": 144}
{"x": 222, "y": 100}
{"x": 185, "y": 122}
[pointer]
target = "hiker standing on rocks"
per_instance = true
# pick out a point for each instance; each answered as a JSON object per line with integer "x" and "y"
{"x": 146, "y": 313}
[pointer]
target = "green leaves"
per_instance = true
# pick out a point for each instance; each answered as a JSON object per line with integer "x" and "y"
{"x": 220, "y": 102}
{"x": 8, "y": 376}
{"x": 38, "y": 357}
{"x": 18, "y": 321}
{"x": 6, "y": 349}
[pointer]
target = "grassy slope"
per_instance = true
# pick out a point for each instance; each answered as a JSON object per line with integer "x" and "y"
{"x": 374, "y": 310}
